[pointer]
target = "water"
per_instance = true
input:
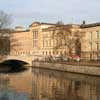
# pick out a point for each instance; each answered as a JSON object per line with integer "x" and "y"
{"x": 42, "y": 84}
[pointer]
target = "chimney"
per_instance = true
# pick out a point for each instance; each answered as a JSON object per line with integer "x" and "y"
{"x": 84, "y": 22}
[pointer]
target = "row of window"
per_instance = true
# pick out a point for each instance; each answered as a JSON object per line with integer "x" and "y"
{"x": 95, "y": 46}
{"x": 22, "y": 53}
{"x": 35, "y": 34}
{"x": 50, "y": 43}
{"x": 54, "y": 52}
{"x": 97, "y": 35}
{"x": 47, "y": 43}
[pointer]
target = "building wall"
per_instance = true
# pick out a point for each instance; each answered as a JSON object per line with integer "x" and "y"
{"x": 28, "y": 42}
{"x": 37, "y": 36}
{"x": 21, "y": 43}
{"x": 38, "y": 41}
{"x": 50, "y": 44}
{"x": 90, "y": 43}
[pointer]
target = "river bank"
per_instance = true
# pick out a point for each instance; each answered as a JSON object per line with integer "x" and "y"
{"x": 89, "y": 69}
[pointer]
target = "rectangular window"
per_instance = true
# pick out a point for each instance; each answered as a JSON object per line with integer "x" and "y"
{"x": 91, "y": 40}
{"x": 97, "y": 34}
{"x": 35, "y": 38}
{"x": 91, "y": 36}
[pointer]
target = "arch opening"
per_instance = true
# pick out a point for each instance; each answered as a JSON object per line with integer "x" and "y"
{"x": 14, "y": 62}
{"x": 13, "y": 65}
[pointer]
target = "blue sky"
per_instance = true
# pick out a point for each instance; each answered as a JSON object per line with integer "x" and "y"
{"x": 24, "y": 12}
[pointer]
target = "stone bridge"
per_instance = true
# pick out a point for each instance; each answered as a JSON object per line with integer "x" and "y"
{"x": 27, "y": 59}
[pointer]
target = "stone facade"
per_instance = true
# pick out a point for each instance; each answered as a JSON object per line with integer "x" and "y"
{"x": 58, "y": 45}
{"x": 21, "y": 43}
{"x": 91, "y": 42}
{"x": 38, "y": 40}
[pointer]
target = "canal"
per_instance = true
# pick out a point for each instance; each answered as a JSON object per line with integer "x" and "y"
{"x": 43, "y": 84}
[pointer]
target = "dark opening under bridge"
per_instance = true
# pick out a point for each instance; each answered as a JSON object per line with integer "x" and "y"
{"x": 26, "y": 59}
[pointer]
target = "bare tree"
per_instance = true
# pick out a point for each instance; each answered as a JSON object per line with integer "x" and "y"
{"x": 5, "y": 20}
{"x": 65, "y": 37}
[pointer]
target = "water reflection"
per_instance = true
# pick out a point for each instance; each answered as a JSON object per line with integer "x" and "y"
{"x": 43, "y": 84}
{"x": 54, "y": 85}
{"x": 7, "y": 90}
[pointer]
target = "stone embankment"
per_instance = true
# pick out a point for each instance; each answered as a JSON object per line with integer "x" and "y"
{"x": 89, "y": 70}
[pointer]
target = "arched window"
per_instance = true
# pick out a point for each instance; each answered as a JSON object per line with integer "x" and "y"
{"x": 46, "y": 52}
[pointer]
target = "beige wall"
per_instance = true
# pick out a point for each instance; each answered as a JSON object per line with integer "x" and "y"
{"x": 36, "y": 30}
{"x": 37, "y": 41}
{"x": 49, "y": 44}
{"x": 91, "y": 42}
{"x": 21, "y": 43}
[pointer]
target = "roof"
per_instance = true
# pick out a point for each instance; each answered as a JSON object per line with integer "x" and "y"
{"x": 49, "y": 23}
{"x": 20, "y": 31}
{"x": 19, "y": 27}
{"x": 42, "y": 23}
{"x": 38, "y": 23}
{"x": 57, "y": 27}
{"x": 90, "y": 25}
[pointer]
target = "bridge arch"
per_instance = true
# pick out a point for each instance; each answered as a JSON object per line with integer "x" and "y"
{"x": 27, "y": 59}
{"x": 14, "y": 62}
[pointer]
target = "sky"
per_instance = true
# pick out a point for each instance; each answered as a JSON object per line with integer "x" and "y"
{"x": 24, "y": 12}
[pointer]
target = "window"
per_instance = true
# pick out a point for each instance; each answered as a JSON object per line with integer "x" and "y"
{"x": 91, "y": 40}
{"x": 49, "y": 53}
{"x": 97, "y": 34}
{"x": 53, "y": 52}
{"x": 35, "y": 38}
{"x": 91, "y": 36}
{"x": 46, "y": 52}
